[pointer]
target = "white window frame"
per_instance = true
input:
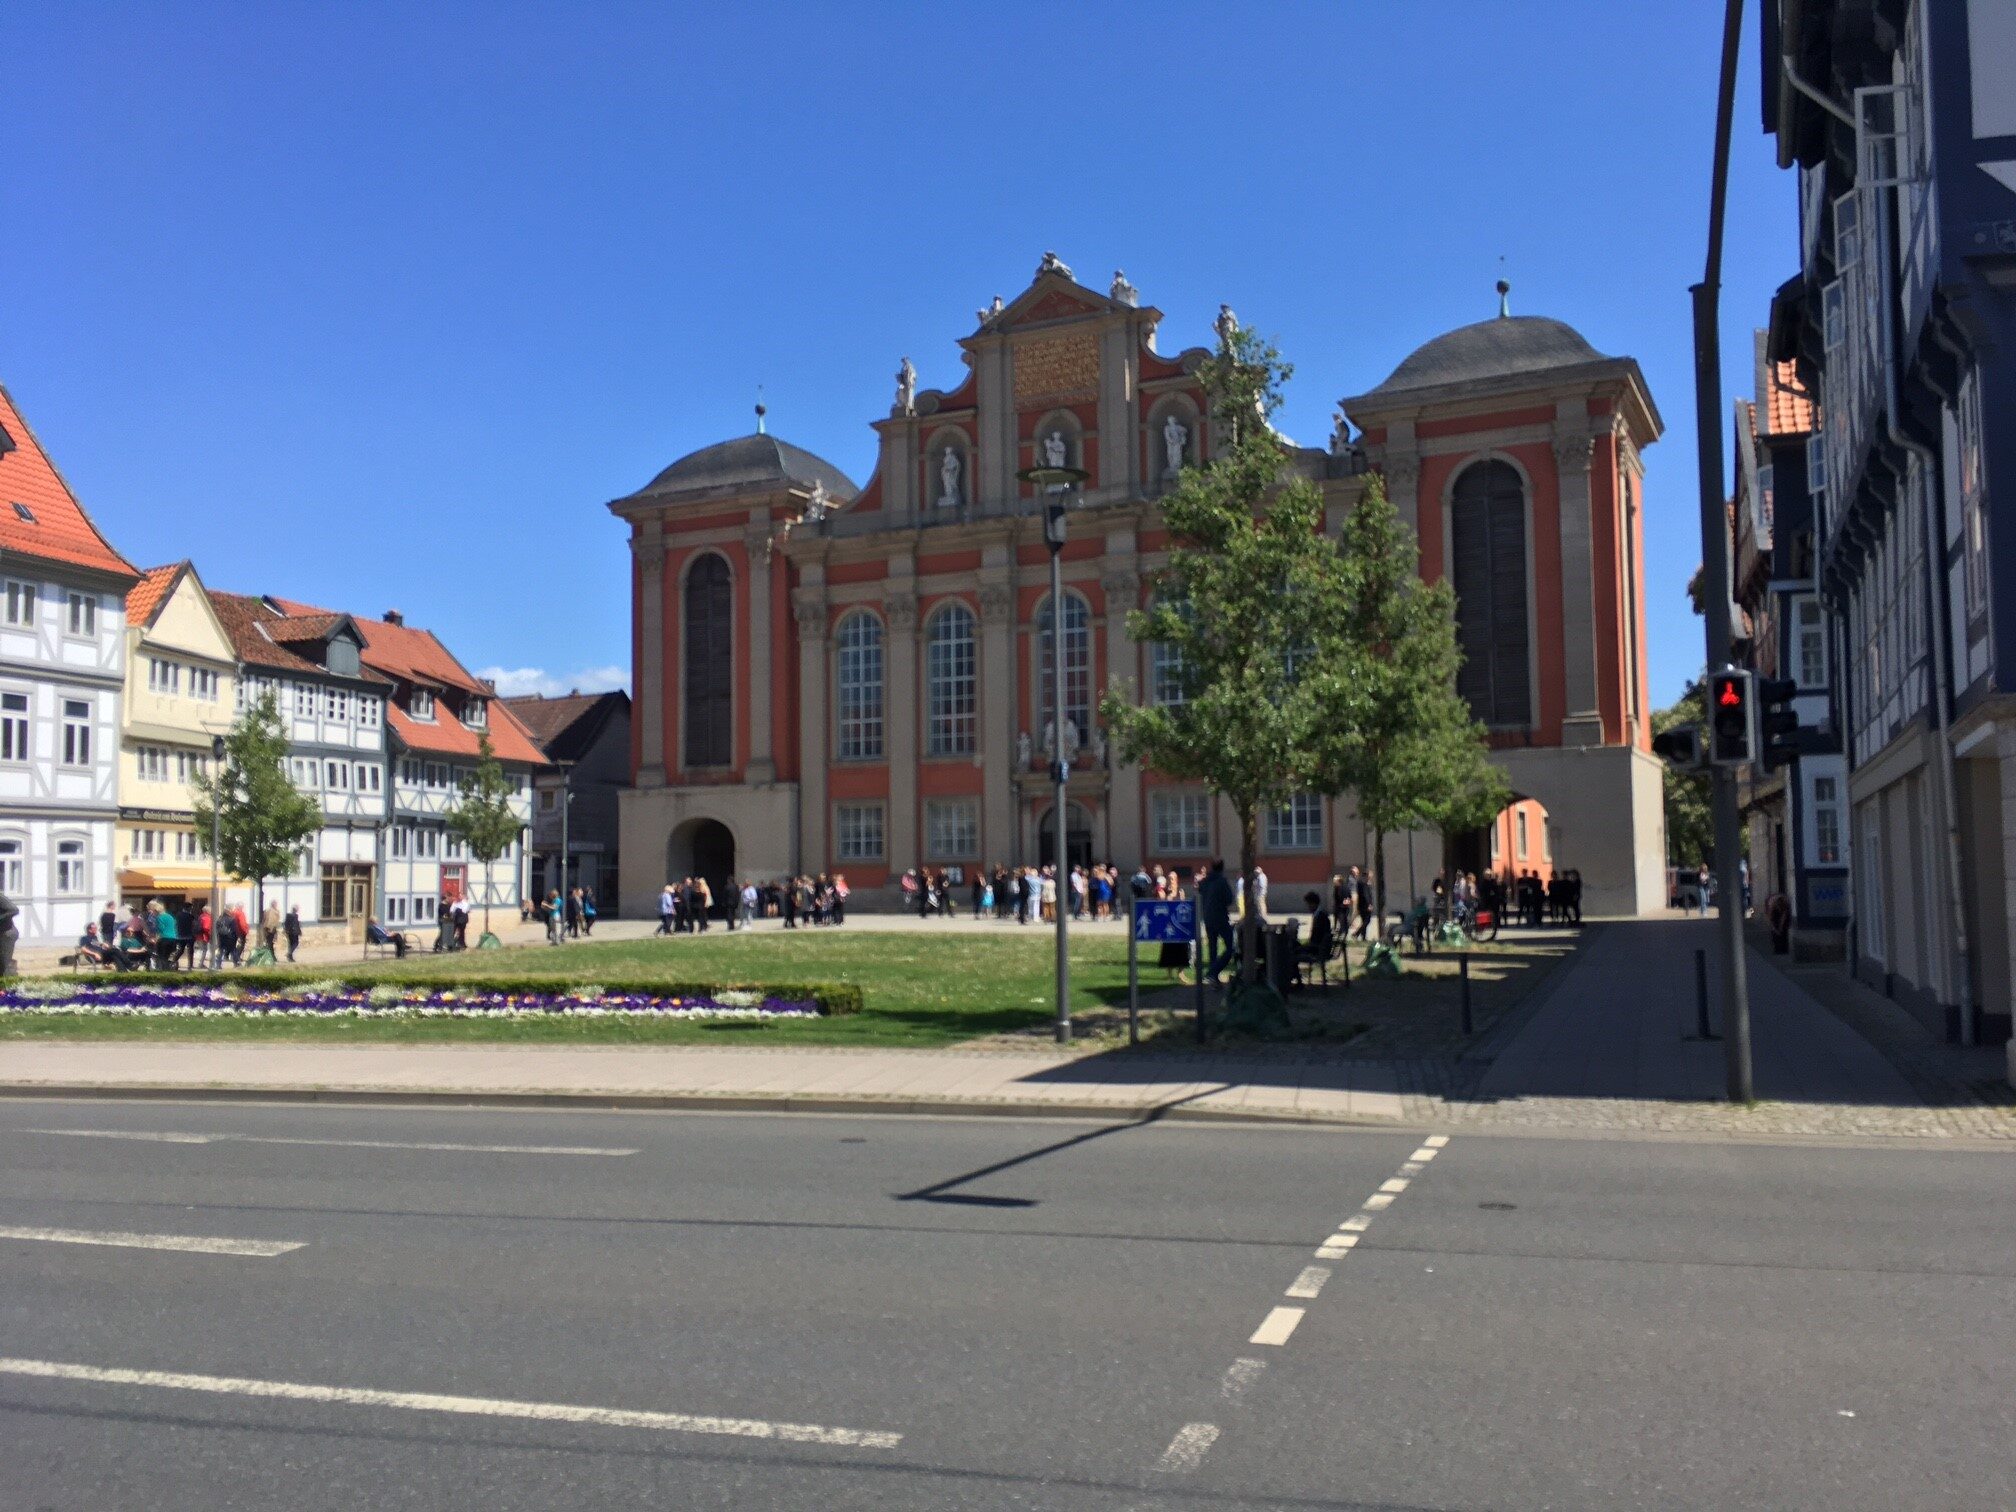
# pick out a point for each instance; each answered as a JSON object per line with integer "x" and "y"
{"x": 856, "y": 828}
{"x": 203, "y": 684}
{"x": 17, "y": 708}
{"x": 420, "y": 704}
{"x": 1180, "y": 823}
{"x": 1809, "y": 642}
{"x": 80, "y": 615}
{"x": 72, "y": 854}
{"x": 1297, "y": 825}
{"x": 952, "y": 829}
{"x": 859, "y": 687}
{"x": 164, "y": 677}
{"x": 1077, "y": 662}
{"x": 305, "y": 701}
{"x": 367, "y": 711}
{"x": 951, "y": 682}
{"x": 14, "y": 864}
{"x": 476, "y": 714}
{"x": 17, "y": 604}
{"x": 1828, "y": 812}
{"x": 75, "y": 751}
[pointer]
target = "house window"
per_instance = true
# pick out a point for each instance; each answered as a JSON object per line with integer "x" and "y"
{"x": 1487, "y": 515}
{"x": 477, "y": 714}
{"x": 1297, "y": 824}
{"x": 857, "y": 831}
{"x": 22, "y": 511}
{"x": 437, "y": 774}
{"x": 423, "y": 909}
{"x": 395, "y": 910}
{"x": 1077, "y": 636}
{"x": 710, "y": 664}
{"x": 1811, "y": 634}
{"x": 188, "y": 846}
{"x": 13, "y": 726}
{"x": 164, "y": 677}
{"x": 12, "y": 853}
{"x": 82, "y": 619}
{"x": 427, "y": 843}
{"x": 951, "y": 829}
{"x": 858, "y": 673}
{"x": 337, "y": 775}
{"x": 18, "y": 604}
{"x": 1520, "y": 846}
{"x": 76, "y": 732}
{"x": 336, "y": 706}
{"x": 1826, "y": 821}
{"x": 147, "y": 844}
{"x": 304, "y": 700}
{"x": 367, "y": 712}
{"x": 951, "y": 688}
{"x": 458, "y": 848}
{"x": 1165, "y": 675}
{"x": 153, "y": 763}
{"x": 301, "y": 772}
{"x": 70, "y": 869}
{"x": 370, "y": 778}
{"x": 203, "y": 684}
{"x": 1973, "y": 496}
{"x": 190, "y": 766}
{"x": 1181, "y": 824}
{"x": 401, "y": 842}
{"x": 420, "y": 704}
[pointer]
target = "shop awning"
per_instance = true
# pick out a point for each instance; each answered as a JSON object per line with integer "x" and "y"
{"x": 179, "y": 879}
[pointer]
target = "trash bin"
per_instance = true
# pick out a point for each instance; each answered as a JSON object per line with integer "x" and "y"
{"x": 1279, "y": 945}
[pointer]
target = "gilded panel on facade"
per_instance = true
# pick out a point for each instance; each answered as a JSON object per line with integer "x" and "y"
{"x": 1057, "y": 367}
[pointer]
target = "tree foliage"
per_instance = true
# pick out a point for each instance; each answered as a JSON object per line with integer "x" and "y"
{"x": 1249, "y": 605}
{"x": 261, "y": 817}
{"x": 1402, "y": 741}
{"x": 1690, "y": 820}
{"x": 483, "y": 817}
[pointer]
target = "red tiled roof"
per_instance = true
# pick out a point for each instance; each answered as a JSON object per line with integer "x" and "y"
{"x": 61, "y": 531}
{"x": 249, "y": 623}
{"x": 547, "y": 717}
{"x": 447, "y": 735}
{"x": 1789, "y": 408}
{"x": 155, "y": 585}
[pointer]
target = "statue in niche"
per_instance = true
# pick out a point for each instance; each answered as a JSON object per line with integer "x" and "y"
{"x": 906, "y": 389}
{"x": 1022, "y": 748}
{"x": 1226, "y": 325}
{"x": 1175, "y": 437}
{"x": 1049, "y": 739}
{"x": 1072, "y": 742}
{"x": 1055, "y": 452}
{"x": 948, "y": 477}
{"x": 1099, "y": 745}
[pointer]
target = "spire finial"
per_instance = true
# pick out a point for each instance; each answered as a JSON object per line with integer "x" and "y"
{"x": 761, "y": 410}
{"x": 1504, "y": 299}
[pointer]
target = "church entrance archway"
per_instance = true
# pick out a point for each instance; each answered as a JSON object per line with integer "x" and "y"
{"x": 1077, "y": 836}
{"x": 704, "y": 848}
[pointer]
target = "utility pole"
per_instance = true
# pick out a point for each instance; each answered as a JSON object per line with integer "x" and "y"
{"x": 1715, "y": 572}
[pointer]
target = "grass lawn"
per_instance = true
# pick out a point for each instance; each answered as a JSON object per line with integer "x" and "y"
{"x": 921, "y": 991}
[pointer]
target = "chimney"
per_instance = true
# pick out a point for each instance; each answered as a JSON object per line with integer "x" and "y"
{"x": 394, "y": 617}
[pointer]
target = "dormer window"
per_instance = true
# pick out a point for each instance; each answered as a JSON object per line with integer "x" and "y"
{"x": 421, "y": 704}
{"x": 23, "y": 512}
{"x": 475, "y": 714}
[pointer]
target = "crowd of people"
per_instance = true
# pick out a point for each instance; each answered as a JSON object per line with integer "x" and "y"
{"x": 180, "y": 936}
{"x": 686, "y": 906}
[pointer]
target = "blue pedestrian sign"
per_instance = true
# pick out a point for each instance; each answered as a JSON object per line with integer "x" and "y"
{"x": 1159, "y": 922}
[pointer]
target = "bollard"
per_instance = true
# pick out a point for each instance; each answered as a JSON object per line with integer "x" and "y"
{"x": 1463, "y": 972}
{"x": 1701, "y": 1026}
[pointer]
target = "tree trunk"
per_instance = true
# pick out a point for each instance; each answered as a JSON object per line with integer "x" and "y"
{"x": 1379, "y": 885}
{"x": 1249, "y": 914}
{"x": 486, "y": 895}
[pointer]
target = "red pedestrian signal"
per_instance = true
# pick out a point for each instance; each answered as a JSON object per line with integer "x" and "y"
{"x": 1732, "y": 721}
{"x": 1731, "y": 697}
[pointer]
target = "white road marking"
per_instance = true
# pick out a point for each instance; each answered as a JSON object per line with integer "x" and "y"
{"x": 1186, "y": 1450}
{"x": 1378, "y": 1201}
{"x": 1240, "y": 1378}
{"x": 1424, "y": 1154}
{"x": 1310, "y": 1282}
{"x": 1413, "y": 1168}
{"x": 1436, "y": 1141}
{"x": 1355, "y": 1224}
{"x": 262, "y": 1249}
{"x": 1394, "y": 1185}
{"x": 355, "y": 1144}
{"x": 1336, "y": 1247}
{"x": 1277, "y": 1326}
{"x": 416, "y": 1401}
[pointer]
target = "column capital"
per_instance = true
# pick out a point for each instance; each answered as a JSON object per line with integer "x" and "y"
{"x": 900, "y": 610}
{"x": 1573, "y": 450}
{"x": 1401, "y": 473}
{"x": 997, "y": 605}
{"x": 810, "y": 612}
{"x": 649, "y": 554}
{"x": 1121, "y": 583}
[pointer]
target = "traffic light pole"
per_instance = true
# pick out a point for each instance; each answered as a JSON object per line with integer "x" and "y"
{"x": 1715, "y": 576}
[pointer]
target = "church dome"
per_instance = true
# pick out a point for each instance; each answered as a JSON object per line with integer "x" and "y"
{"x": 748, "y": 463}
{"x": 1504, "y": 347}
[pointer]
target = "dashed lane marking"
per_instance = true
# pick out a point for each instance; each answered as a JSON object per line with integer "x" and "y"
{"x": 1393, "y": 1185}
{"x": 1310, "y": 1282}
{"x": 1277, "y": 1326}
{"x": 1356, "y": 1224}
{"x": 1378, "y": 1202}
{"x": 170, "y": 1137}
{"x": 1240, "y": 1377}
{"x": 1424, "y": 1154}
{"x": 1436, "y": 1141}
{"x": 1186, "y": 1450}
{"x": 1336, "y": 1247}
{"x": 257, "y": 1249}
{"x": 416, "y": 1401}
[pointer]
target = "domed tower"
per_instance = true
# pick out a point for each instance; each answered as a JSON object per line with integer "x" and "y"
{"x": 1512, "y": 447}
{"x": 713, "y": 731}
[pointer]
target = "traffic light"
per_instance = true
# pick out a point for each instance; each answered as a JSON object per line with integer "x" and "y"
{"x": 1681, "y": 746}
{"x": 1732, "y": 718}
{"x": 1777, "y": 723}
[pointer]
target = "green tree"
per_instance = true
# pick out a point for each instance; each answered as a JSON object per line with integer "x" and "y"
{"x": 1690, "y": 821}
{"x": 1249, "y": 606}
{"x": 261, "y": 817}
{"x": 484, "y": 819}
{"x": 1401, "y": 740}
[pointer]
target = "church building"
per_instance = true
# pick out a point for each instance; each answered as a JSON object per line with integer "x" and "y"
{"x": 842, "y": 677}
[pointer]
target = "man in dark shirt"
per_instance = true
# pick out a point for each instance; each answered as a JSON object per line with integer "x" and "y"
{"x": 1214, "y": 906}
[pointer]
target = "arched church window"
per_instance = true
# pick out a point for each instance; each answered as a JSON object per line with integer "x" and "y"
{"x": 950, "y": 687}
{"x": 1077, "y": 637}
{"x": 710, "y": 664}
{"x": 1488, "y": 555}
{"x": 858, "y": 650}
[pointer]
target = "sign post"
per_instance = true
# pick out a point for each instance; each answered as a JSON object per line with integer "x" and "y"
{"x": 1160, "y": 921}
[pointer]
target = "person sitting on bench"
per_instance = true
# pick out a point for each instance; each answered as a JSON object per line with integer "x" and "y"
{"x": 377, "y": 934}
{"x": 1322, "y": 937}
{"x": 93, "y": 951}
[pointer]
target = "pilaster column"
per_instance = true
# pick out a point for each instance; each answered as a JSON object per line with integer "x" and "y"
{"x": 810, "y": 609}
{"x": 1583, "y": 722}
{"x": 1403, "y": 477}
{"x": 999, "y": 837}
{"x": 762, "y": 767}
{"x": 647, "y": 547}
{"x": 899, "y": 728}
{"x": 1122, "y": 585}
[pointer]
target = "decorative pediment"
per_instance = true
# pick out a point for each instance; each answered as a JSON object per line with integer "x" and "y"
{"x": 1056, "y": 304}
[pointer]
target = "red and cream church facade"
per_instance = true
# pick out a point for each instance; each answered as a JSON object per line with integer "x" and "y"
{"x": 842, "y": 678}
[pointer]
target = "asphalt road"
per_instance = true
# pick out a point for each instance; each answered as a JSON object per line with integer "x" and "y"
{"x": 771, "y": 1312}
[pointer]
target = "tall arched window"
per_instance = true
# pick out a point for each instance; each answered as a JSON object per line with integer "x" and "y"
{"x": 1077, "y": 664}
{"x": 858, "y": 648}
{"x": 951, "y": 691}
{"x": 1487, "y": 517}
{"x": 710, "y": 664}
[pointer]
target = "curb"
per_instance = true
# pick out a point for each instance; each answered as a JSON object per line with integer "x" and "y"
{"x": 693, "y": 1102}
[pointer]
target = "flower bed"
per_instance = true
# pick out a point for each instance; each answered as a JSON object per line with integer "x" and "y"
{"x": 167, "y": 999}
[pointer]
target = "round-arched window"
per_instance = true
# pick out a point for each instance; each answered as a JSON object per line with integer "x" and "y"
{"x": 710, "y": 664}
{"x": 858, "y": 669}
{"x": 1487, "y": 548}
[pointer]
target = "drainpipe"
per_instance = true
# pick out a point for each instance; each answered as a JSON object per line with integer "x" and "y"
{"x": 1938, "y": 620}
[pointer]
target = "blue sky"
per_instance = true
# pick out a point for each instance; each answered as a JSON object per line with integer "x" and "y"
{"x": 377, "y": 305}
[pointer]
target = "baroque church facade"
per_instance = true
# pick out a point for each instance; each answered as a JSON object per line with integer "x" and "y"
{"x": 832, "y": 677}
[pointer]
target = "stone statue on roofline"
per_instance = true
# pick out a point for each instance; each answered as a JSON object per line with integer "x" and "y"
{"x": 816, "y": 504}
{"x": 1122, "y": 290}
{"x": 1340, "y": 435}
{"x": 1052, "y": 263}
{"x": 989, "y": 312}
{"x": 906, "y": 389}
{"x": 1226, "y": 325}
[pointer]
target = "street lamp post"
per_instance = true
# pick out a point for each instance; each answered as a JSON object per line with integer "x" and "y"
{"x": 566, "y": 802}
{"x": 1057, "y": 483}
{"x": 216, "y": 841}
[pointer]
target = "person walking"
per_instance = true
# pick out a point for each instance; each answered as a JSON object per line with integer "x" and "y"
{"x": 666, "y": 908}
{"x": 291, "y": 926}
{"x": 571, "y": 912}
{"x": 588, "y": 911}
{"x": 556, "y": 918}
{"x": 706, "y": 902}
{"x": 748, "y": 902}
{"x": 839, "y": 898}
{"x": 1260, "y": 891}
{"x": 1701, "y": 888}
{"x": 8, "y": 934}
{"x": 108, "y": 924}
{"x": 185, "y": 933}
{"x": 269, "y": 926}
{"x": 1214, "y": 907}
